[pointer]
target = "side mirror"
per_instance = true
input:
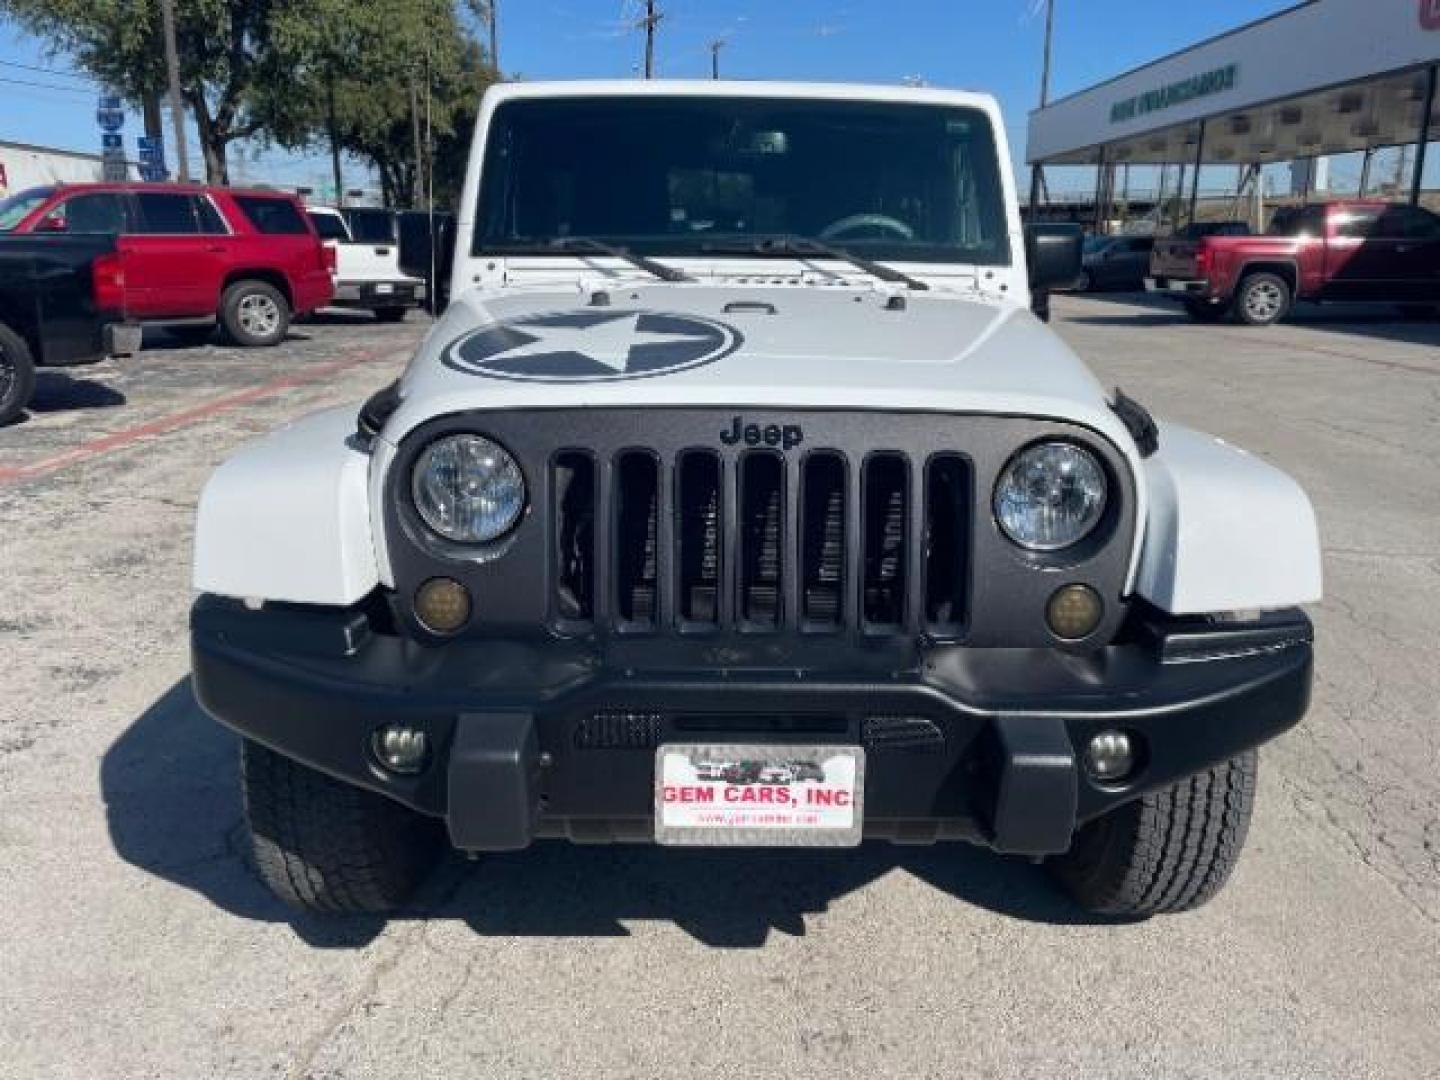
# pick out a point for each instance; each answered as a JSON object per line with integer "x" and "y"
{"x": 53, "y": 223}
{"x": 1054, "y": 254}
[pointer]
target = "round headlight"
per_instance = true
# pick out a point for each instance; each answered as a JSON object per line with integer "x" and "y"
{"x": 1050, "y": 496}
{"x": 468, "y": 489}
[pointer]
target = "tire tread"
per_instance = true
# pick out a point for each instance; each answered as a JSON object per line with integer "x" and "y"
{"x": 1168, "y": 851}
{"x": 325, "y": 846}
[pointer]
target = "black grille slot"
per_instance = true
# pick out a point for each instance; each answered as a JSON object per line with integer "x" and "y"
{"x": 695, "y": 539}
{"x": 948, "y": 498}
{"x": 762, "y": 536}
{"x": 698, "y": 533}
{"x": 886, "y": 495}
{"x": 637, "y": 541}
{"x": 822, "y": 532}
{"x": 574, "y": 531}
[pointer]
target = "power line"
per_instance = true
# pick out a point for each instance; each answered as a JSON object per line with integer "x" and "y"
{"x": 47, "y": 86}
{"x": 48, "y": 71}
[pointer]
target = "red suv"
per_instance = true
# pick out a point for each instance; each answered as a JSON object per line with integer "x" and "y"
{"x": 195, "y": 256}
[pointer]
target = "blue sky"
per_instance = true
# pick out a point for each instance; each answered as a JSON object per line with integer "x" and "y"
{"x": 991, "y": 45}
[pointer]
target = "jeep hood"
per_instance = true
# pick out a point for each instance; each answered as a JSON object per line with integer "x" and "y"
{"x": 771, "y": 346}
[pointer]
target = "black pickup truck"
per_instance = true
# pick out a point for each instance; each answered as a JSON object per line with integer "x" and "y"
{"x": 61, "y": 304}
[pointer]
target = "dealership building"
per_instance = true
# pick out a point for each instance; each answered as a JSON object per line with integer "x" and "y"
{"x": 25, "y": 166}
{"x": 1320, "y": 79}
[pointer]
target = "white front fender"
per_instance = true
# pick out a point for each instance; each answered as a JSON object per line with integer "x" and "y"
{"x": 1224, "y": 531}
{"x": 288, "y": 517}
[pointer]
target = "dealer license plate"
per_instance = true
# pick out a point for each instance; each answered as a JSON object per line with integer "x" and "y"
{"x": 759, "y": 796}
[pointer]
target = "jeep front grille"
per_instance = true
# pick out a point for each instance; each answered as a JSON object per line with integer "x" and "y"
{"x": 758, "y": 541}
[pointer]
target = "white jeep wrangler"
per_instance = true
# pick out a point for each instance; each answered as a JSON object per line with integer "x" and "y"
{"x": 740, "y": 443}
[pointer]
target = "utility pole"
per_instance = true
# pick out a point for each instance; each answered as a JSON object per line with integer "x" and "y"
{"x": 492, "y": 18}
{"x": 1044, "y": 100}
{"x": 650, "y": 21}
{"x": 334, "y": 138}
{"x": 172, "y": 69}
{"x": 715, "y": 47}
{"x": 417, "y": 190}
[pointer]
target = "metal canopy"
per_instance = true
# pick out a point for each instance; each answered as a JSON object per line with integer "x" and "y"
{"x": 1385, "y": 111}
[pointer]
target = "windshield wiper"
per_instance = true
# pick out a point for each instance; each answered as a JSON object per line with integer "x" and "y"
{"x": 600, "y": 247}
{"x": 787, "y": 244}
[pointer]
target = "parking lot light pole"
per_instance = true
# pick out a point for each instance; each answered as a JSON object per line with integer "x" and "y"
{"x": 1427, "y": 117}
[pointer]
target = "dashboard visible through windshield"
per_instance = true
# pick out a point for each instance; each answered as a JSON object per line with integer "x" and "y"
{"x": 683, "y": 175}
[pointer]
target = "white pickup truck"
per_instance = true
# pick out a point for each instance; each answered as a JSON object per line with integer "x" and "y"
{"x": 739, "y": 497}
{"x": 367, "y": 274}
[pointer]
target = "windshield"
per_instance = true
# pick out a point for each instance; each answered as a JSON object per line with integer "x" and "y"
{"x": 671, "y": 175}
{"x": 1093, "y": 245}
{"x": 16, "y": 208}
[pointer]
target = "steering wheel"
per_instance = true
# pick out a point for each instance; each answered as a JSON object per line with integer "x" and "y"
{"x": 836, "y": 230}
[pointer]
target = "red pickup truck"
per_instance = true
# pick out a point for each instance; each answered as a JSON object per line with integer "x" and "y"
{"x": 1355, "y": 251}
{"x": 195, "y": 256}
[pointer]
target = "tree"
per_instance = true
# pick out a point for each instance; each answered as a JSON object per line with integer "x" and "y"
{"x": 232, "y": 76}
{"x": 391, "y": 67}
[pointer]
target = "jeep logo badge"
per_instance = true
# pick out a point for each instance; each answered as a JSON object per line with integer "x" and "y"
{"x": 785, "y": 436}
{"x": 588, "y": 346}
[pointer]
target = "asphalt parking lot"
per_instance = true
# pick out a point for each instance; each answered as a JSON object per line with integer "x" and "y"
{"x": 135, "y": 943}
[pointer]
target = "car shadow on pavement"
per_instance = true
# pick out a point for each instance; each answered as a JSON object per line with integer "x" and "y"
{"x": 58, "y": 392}
{"x": 171, "y": 789}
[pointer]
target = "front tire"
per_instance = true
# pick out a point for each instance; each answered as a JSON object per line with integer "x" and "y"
{"x": 1084, "y": 283}
{"x": 255, "y": 313}
{"x": 391, "y": 314}
{"x": 1168, "y": 851}
{"x": 325, "y": 846}
{"x": 17, "y": 375}
{"x": 1262, "y": 299}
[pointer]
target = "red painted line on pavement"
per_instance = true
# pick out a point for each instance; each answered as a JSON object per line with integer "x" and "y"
{"x": 121, "y": 440}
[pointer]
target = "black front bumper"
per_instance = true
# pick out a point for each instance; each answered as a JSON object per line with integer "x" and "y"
{"x": 557, "y": 738}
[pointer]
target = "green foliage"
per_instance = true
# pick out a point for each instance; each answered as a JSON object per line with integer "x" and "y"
{"x": 390, "y": 64}
{"x": 268, "y": 68}
{"x": 226, "y": 51}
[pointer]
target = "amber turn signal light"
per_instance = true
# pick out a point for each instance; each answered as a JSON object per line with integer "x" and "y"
{"x": 442, "y": 605}
{"x": 1074, "y": 611}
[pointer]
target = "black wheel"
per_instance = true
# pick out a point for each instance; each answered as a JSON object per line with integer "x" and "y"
{"x": 1263, "y": 298}
{"x": 255, "y": 313}
{"x": 1203, "y": 311}
{"x": 17, "y": 375}
{"x": 324, "y": 846}
{"x": 1168, "y": 851}
{"x": 391, "y": 314}
{"x": 190, "y": 336}
{"x": 1084, "y": 283}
